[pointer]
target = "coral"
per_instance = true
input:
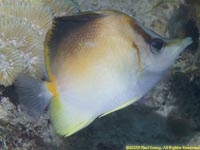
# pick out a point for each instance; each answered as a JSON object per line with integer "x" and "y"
{"x": 10, "y": 65}
{"x": 23, "y": 28}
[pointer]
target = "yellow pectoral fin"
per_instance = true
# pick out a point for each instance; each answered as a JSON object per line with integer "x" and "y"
{"x": 68, "y": 120}
{"x": 127, "y": 103}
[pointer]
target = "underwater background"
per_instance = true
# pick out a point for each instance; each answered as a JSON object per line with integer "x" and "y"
{"x": 168, "y": 115}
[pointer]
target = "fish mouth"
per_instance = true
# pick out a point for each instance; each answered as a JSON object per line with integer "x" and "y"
{"x": 183, "y": 43}
{"x": 179, "y": 44}
{"x": 186, "y": 42}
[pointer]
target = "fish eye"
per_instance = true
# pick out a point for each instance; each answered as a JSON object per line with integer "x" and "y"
{"x": 156, "y": 45}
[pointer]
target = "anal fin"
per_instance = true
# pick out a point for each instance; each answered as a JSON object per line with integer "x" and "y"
{"x": 67, "y": 119}
{"x": 127, "y": 103}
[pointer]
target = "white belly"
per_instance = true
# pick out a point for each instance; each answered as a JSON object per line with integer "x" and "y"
{"x": 99, "y": 91}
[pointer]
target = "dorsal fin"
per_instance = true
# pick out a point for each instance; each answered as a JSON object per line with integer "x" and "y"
{"x": 67, "y": 24}
{"x": 81, "y": 17}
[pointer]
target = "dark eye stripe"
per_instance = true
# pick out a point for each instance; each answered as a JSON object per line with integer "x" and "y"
{"x": 147, "y": 38}
{"x": 138, "y": 55}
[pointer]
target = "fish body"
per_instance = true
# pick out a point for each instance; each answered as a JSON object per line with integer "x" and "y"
{"x": 97, "y": 62}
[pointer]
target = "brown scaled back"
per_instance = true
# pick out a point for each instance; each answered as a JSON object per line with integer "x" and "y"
{"x": 72, "y": 34}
